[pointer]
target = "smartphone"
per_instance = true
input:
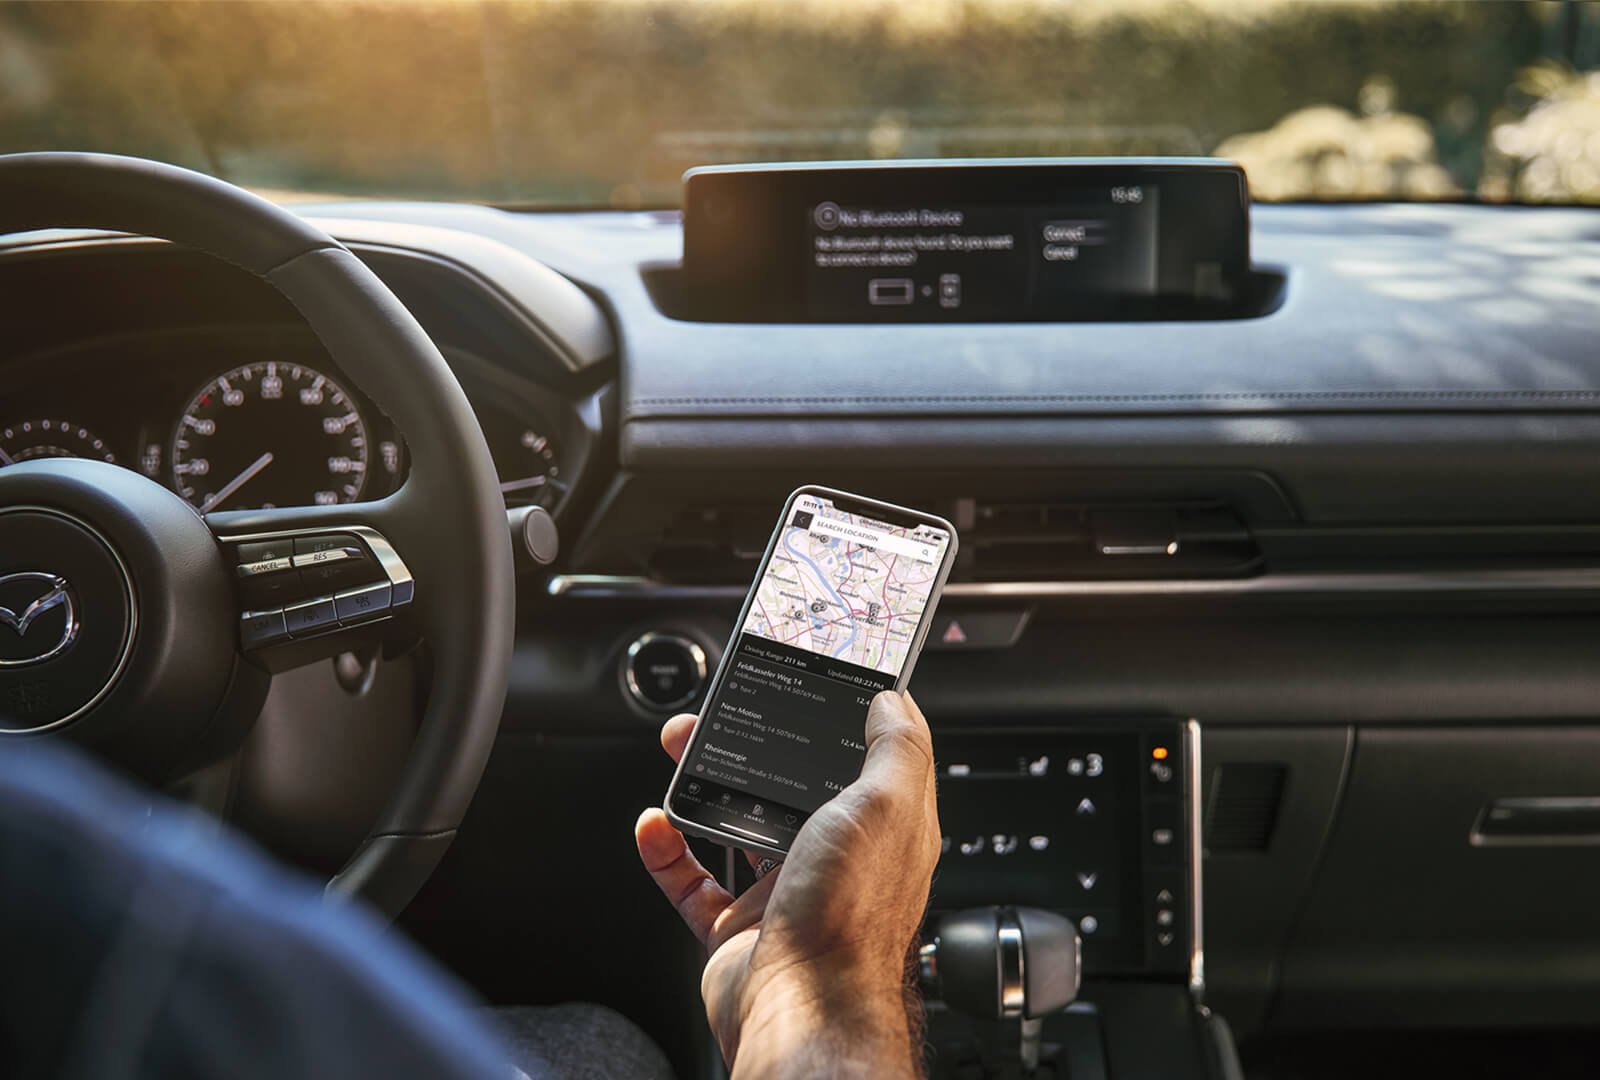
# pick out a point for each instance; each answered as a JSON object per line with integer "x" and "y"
{"x": 839, "y": 610}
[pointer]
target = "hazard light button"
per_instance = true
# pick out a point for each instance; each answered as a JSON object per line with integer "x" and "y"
{"x": 985, "y": 629}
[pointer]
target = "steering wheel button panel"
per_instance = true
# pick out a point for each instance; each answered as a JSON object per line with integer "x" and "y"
{"x": 258, "y": 628}
{"x": 359, "y": 604}
{"x": 311, "y": 616}
{"x": 305, "y": 585}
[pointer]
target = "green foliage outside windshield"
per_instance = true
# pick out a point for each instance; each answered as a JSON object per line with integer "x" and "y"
{"x": 606, "y": 103}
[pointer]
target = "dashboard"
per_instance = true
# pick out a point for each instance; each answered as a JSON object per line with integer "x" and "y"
{"x": 1350, "y": 535}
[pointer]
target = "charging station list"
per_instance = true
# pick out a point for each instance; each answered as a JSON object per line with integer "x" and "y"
{"x": 783, "y": 736}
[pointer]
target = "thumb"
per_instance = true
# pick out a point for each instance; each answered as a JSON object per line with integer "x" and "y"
{"x": 899, "y": 745}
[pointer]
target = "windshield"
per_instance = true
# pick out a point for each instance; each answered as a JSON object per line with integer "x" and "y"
{"x": 607, "y": 102}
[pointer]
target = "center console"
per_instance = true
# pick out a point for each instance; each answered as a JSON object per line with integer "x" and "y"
{"x": 1098, "y": 823}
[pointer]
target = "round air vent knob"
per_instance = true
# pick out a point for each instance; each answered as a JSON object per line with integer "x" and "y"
{"x": 664, "y": 671}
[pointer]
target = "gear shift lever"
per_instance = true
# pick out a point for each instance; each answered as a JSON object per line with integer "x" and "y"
{"x": 1003, "y": 963}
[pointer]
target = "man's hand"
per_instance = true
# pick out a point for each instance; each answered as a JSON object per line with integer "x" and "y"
{"x": 806, "y": 968}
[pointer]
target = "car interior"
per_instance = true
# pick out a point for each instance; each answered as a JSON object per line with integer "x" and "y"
{"x": 388, "y": 520}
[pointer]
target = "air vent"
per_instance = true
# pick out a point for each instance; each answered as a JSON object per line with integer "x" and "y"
{"x": 715, "y": 545}
{"x": 1044, "y": 541}
{"x": 1000, "y": 541}
{"x": 1243, "y": 810}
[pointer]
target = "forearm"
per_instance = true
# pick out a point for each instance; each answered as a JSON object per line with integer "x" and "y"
{"x": 797, "y": 1034}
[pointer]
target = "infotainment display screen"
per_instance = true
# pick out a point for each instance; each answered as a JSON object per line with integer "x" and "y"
{"x": 983, "y": 259}
{"x": 964, "y": 241}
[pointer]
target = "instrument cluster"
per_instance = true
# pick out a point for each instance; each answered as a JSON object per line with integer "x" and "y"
{"x": 236, "y": 420}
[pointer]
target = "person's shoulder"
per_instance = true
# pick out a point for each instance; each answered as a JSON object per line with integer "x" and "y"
{"x": 155, "y": 931}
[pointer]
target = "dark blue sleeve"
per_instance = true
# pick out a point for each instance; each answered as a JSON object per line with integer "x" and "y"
{"x": 137, "y": 939}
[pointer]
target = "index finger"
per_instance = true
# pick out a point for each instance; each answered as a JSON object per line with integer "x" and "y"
{"x": 688, "y": 885}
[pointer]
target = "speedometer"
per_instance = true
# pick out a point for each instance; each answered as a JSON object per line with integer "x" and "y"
{"x": 270, "y": 434}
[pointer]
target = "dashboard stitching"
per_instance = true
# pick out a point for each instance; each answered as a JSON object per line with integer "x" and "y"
{"x": 1304, "y": 395}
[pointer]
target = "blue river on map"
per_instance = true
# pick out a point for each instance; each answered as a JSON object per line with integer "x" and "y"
{"x": 822, "y": 576}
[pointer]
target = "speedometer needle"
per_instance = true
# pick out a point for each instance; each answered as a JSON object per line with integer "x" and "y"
{"x": 526, "y": 482}
{"x": 236, "y": 483}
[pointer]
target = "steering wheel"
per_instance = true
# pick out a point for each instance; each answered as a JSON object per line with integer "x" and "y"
{"x": 136, "y": 627}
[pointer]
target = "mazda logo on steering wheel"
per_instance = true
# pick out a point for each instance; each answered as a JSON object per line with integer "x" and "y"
{"x": 37, "y": 617}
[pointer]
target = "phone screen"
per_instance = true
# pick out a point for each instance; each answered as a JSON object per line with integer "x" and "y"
{"x": 833, "y": 619}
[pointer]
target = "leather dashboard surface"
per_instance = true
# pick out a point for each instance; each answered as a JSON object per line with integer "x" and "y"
{"x": 1388, "y": 307}
{"x": 1401, "y": 308}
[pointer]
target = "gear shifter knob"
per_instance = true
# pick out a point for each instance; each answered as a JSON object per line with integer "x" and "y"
{"x": 1003, "y": 963}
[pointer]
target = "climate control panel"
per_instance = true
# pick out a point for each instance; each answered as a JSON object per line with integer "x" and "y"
{"x": 1095, "y": 822}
